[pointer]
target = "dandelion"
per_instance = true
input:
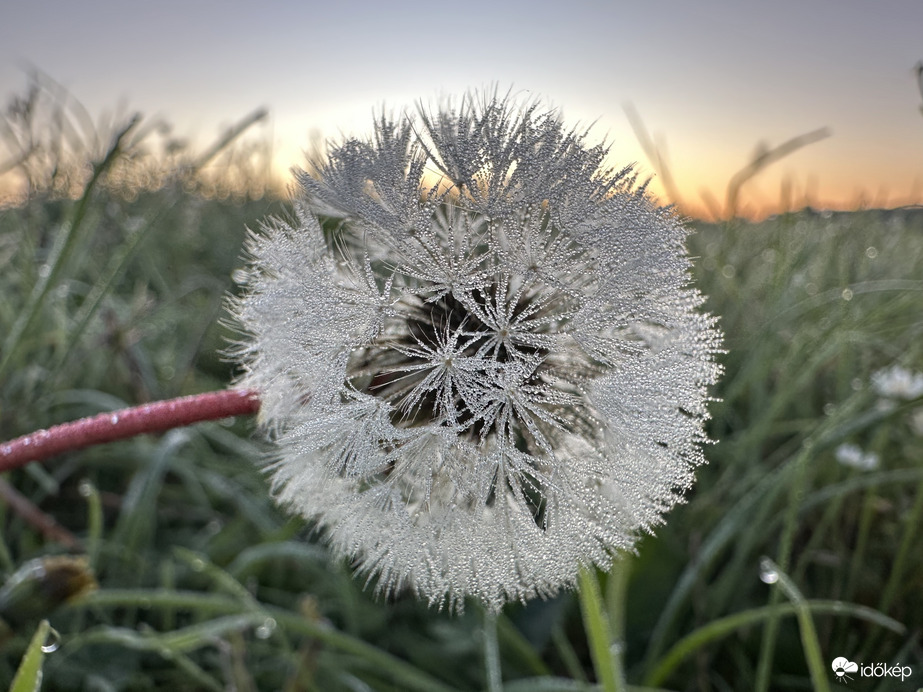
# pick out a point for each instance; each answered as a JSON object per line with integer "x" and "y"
{"x": 478, "y": 352}
{"x": 852, "y": 456}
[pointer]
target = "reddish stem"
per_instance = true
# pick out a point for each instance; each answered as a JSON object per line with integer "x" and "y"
{"x": 118, "y": 425}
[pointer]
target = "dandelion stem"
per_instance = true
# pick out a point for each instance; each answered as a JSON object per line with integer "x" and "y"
{"x": 492, "y": 653}
{"x": 119, "y": 425}
{"x": 607, "y": 659}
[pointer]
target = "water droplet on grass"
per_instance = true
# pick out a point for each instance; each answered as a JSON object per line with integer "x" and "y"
{"x": 53, "y": 642}
{"x": 265, "y": 630}
{"x": 769, "y": 576}
{"x": 768, "y": 572}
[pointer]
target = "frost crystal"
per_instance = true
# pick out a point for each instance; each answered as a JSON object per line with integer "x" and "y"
{"x": 487, "y": 368}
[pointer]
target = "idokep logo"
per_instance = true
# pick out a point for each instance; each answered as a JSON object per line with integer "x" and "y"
{"x": 845, "y": 670}
{"x": 842, "y": 667}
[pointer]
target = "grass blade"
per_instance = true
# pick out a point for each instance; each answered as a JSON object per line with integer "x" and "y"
{"x": 29, "y": 675}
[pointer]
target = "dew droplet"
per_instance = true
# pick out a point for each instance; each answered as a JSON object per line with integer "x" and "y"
{"x": 768, "y": 572}
{"x": 617, "y": 648}
{"x": 85, "y": 488}
{"x": 114, "y": 418}
{"x": 6, "y": 449}
{"x": 847, "y": 294}
{"x": 265, "y": 630}
{"x": 53, "y": 641}
{"x": 197, "y": 564}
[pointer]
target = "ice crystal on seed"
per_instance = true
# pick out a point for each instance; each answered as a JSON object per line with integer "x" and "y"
{"x": 487, "y": 368}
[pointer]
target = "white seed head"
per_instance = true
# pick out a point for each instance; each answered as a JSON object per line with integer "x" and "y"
{"x": 898, "y": 382}
{"x": 853, "y": 456}
{"x": 487, "y": 368}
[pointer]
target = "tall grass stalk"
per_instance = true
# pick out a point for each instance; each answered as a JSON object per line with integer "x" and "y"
{"x": 771, "y": 573}
{"x": 65, "y": 244}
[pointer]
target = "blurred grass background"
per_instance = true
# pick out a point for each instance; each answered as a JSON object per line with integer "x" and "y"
{"x": 114, "y": 262}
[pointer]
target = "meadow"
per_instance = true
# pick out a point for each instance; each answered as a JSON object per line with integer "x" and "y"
{"x": 799, "y": 543}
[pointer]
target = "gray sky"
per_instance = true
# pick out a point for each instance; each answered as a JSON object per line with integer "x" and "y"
{"x": 713, "y": 78}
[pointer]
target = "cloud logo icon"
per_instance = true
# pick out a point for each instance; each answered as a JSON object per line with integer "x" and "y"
{"x": 841, "y": 666}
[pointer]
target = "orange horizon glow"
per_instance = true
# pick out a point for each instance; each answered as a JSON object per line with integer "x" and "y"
{"x": 769, "y": 194}
{"x": 810, "y": 177}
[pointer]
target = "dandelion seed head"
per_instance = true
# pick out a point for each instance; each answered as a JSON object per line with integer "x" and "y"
{"x": 487, "y": 367}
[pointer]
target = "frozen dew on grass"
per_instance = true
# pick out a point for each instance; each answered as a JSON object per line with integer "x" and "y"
{"x": 487, "y": 367}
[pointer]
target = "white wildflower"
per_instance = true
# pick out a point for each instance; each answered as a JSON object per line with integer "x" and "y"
{"x": 897, "y": 382}
{"x": 490, "y": 368}
{"x": 852, "y": 456}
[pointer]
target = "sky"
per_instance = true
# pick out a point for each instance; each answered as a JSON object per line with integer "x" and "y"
{"x": 710, "y": 80}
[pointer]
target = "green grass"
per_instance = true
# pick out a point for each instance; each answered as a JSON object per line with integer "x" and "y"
{"x": 205, "y": 584}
